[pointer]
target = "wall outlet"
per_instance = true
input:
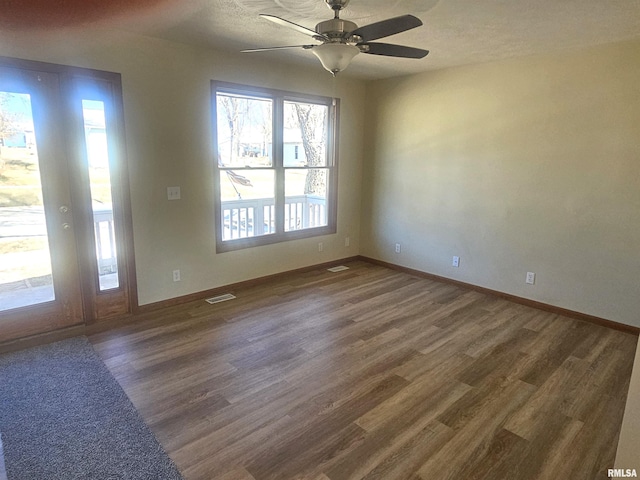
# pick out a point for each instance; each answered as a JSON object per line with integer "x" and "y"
{"x": 320, "y": 247}
{"x": 456, "y": 261}
{"x": 173, "y": 193}
{"x": 531, "y": 278}
{"x": 347, "y": 241}
{"x": 176, "y": 275}
{"x": 398, "y": 248}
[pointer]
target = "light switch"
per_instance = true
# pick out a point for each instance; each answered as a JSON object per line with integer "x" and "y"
{"x": 173, "y": 193}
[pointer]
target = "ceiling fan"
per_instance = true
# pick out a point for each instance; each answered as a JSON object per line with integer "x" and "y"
{"x": 342, "y": 40}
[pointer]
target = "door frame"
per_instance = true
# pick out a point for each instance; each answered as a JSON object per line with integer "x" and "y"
{"x": 101, "y": 305}
{"x": 90, "y": 305}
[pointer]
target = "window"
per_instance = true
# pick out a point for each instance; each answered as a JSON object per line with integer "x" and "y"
{"x": 276, "y": 165}
{"x": 100, "y": 188}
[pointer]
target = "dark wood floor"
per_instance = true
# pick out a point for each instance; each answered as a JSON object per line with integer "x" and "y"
{"x": 371, "y": 373}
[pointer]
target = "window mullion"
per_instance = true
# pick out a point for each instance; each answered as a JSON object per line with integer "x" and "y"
{"x": 278, "y": 164}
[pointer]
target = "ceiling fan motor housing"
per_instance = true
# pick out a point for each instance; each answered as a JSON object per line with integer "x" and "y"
{"x": 336, "y": 29}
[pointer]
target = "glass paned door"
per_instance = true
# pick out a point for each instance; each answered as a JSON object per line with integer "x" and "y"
{"x": 39, "y": 276}
{"x": 25, "y": 258}
{"x": 66, "y": 250}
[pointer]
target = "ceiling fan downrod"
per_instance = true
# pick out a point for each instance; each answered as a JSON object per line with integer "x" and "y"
{"x": 336, "y": 6}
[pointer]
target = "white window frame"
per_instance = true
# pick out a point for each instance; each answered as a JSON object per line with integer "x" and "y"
{"x": 278, "y": 97}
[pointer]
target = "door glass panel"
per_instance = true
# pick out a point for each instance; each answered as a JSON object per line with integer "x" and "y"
{"x": 95, "y": 131}
{"x": 25, "y": 259}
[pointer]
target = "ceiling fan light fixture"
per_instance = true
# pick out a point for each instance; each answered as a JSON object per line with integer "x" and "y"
{"x": 342, "y": 40}
{"x": 335, "y": 57}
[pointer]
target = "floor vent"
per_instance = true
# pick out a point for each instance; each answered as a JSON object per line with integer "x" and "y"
{"x": 339, "y": 268}
{"x": 220, "y": 298}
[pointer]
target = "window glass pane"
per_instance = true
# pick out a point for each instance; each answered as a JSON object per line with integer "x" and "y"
{"x": 248, "y": 203}
{"x": 25, "y": 260}
{"x": 244, "y": 131}
{"x": 305, "y": 198}
{"x": 95, "y": 132}
{"x": 305, "y": 134}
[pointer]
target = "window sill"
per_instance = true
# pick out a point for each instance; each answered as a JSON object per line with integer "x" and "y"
{"x": 223, "y": 246}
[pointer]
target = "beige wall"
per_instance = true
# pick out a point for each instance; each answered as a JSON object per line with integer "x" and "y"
{"x": 525, "y": 165}
{"x": 530, "y": 164}
{"x": 168, "y": 125}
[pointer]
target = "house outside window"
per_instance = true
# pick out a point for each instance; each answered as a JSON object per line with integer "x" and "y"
{"x": 275, "y": 174}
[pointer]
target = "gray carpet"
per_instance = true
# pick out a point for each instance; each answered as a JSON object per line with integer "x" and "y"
{"x": 64, "y": 416}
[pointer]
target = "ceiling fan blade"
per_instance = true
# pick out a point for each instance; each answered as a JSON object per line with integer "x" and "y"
{"x": 390, "y": 50}
{"x": 284, "y": 47}
{"x": 387, "y": 27}
{"x": 298, "y": 28}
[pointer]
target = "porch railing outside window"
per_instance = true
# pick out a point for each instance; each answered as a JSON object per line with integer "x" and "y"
{"x": 243, "y": 217}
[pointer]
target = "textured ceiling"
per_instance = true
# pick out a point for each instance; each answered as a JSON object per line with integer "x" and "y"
{"x": 456, "y": 32}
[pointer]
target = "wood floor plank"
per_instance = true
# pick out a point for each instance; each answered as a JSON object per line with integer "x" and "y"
{"x": 501, "y": 448}
{"x": 315, "y": 441}
{"x": 477, "y": 424}
{"x": 527, "y": 459}
{"x": 428, "y": 389}
{"x": 404, "y": 459}
{"x": 238, "y": 473}
{"x": 237, "y": 452}
{"x": 377, "y": 374}
{"x": 406, "y": 415}
{"x": 548, "y": 399}
{"x": 557, "y": 458}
